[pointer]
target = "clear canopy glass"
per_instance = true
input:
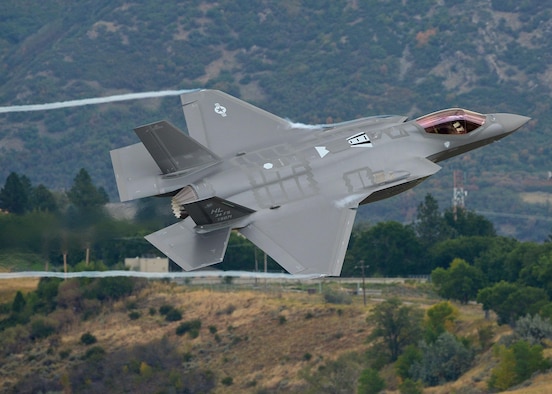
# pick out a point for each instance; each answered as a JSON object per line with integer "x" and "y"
{"x": 451, "y": 121}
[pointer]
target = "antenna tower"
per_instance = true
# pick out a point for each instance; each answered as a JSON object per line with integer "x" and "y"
{"x": 458, "y": 192}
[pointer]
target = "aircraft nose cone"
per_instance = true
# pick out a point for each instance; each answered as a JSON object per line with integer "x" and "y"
{"x": 511, "y": 122}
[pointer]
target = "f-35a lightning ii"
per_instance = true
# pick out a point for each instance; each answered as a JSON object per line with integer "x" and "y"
{"x": 292, "y": 189}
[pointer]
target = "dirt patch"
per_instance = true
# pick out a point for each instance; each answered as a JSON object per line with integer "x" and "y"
{"x": 536, "y": 197}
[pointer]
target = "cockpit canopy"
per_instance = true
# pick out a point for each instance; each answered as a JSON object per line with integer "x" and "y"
{"x": 451, "y": 121}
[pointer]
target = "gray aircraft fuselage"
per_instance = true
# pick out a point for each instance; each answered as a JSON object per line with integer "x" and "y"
{"x": 271, "y": 176}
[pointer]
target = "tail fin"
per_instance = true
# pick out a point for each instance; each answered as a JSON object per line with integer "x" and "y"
{"x": 151, "y": 168}
{"x": 172, "y": 150}
{"x": 228, "y": 125}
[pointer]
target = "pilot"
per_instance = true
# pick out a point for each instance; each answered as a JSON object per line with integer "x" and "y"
{"x": 458, "y": 128}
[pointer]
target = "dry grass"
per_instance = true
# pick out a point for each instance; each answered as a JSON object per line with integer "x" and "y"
{"x": 536, "y": 197}
{"x": 260, "y": 339}
{"x": 8, "y": 287}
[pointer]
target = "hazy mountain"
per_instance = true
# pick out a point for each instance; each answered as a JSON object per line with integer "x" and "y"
{"x": 310, "y": 61}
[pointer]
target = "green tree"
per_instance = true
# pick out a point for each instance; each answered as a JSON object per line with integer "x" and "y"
{"x": 42, "y": 199}
{"x": 84, "y": 195}
{"x": 14, "y": 196}
{"x": 18, "y": 304}
{"x": 511, "y": 301}
{"x": 491, "y": 260}
{"x": 459, "y": 282}
{"x": 523, "y": 255}
{"x": 430, "y": 225}
{"x": 538, "y": 274}
{"x": 334, "y": 377}
{"x": 466, "y": 248}
{"x": 439, "y": 318}
{"x": 390, "y": 249}
{"x": 468, "y": 223}
{"x": 397, "y": 325}
{"x": 410, "y": 355}
{"x": 370, "y": 382}
{"x": 503, "y": 375}
{"x": 516, "y": 364}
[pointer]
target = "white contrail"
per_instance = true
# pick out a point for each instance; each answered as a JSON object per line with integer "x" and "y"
{"x": 93, "y": 101}
{"x": 153, "y": 275}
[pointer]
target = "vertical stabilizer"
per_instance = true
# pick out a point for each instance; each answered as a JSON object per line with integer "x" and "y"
{"x": 227, "y": 125}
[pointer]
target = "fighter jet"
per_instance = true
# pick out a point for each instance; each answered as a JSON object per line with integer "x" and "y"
{"x": 291, "y": 189}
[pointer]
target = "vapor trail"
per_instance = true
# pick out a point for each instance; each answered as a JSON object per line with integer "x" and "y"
{"x": 93, "y": 101}
{"x": 153, "y": 275}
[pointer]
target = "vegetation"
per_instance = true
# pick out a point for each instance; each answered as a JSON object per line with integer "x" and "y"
{"x": 335, "y": 350}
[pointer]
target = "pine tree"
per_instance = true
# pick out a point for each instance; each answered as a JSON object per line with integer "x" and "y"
{"x": 14, "y": 196}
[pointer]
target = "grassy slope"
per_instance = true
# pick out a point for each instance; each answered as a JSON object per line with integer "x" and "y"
{"x": 254, "y": 345}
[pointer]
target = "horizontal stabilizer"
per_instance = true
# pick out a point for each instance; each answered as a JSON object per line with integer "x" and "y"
{"x": 215, "y": 210}
{"x": 227, "y": 125}
{"x": 190, "y": 250}
{"x": 174, "y": 151}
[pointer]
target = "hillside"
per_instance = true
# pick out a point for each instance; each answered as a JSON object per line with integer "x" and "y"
{"x": 263, "y": 340}
{"x": 320, "y": 62}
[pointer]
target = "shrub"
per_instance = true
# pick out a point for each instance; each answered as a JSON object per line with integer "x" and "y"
{"x": 134, "y": 315}
{"x": 370, "y": 382}
{"x": 517, "y": 363}
{"x": 63, "y": 354}
{"x": 227, "y": 381}
{"x": 227, "y": 311}
{"x": 410, "y": 356}
{"x": 173, "y": 315}
{"x": 411, "y": 387}
{"x": 95, "y": 353}
{"x": 41, "y": 328}
{"x": 111, "y": 288}
{"x": 88, "y": 339}
{"x": 212, "y": 329}
{"x": 533, "y": 329}
{"x": 192, "y": 327}
{"x": 335, "y": 376}
{"x": 164, "y": 309}
{"x": 442, "y": 361}
{"x": 337, "y": 296}
{"x": 485, "y": 335}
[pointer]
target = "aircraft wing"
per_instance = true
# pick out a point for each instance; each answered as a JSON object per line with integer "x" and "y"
{"x": 306, "y": 237}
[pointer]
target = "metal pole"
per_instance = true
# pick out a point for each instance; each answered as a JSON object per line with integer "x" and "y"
{"x": 363, "y": 284}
